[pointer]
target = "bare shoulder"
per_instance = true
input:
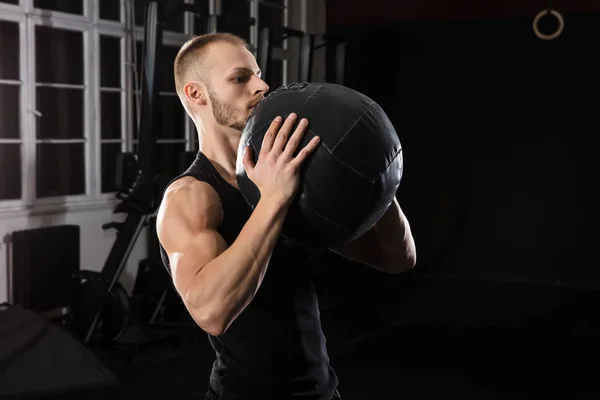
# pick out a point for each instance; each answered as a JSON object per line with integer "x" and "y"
{"x": 189, "y": 206}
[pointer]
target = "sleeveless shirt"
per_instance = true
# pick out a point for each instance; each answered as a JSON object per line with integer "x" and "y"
{"x": 275, "y": 349}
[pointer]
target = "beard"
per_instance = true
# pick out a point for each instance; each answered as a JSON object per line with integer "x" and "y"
{"x": 226, "y": 114}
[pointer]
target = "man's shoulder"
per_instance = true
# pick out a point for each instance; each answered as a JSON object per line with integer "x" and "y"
{"x": 189, "y": 201}
{"x": 190, "y": 189}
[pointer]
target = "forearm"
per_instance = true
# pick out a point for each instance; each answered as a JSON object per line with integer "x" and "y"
{"x": 395, "y": 238}
{"x": 228, "y": 283}
{"x": 388, "y": 246}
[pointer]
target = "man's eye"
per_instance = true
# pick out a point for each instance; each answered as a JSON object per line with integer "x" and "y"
{"x": 241, "y": 79}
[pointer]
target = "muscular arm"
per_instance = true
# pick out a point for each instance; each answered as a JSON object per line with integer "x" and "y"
{"x": 216, "y": 282}
{"x": 389, "y": 246}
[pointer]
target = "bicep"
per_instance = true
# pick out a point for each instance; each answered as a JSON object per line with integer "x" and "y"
{"x": 186, "y": 226}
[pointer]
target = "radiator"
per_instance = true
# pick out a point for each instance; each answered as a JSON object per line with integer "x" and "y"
{"x": 42, "y": 263}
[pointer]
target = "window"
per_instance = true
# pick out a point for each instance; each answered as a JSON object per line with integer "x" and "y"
{"x": 110, "y": 10}
{"x": 66, "y": 115}
{"x": 111, "y": 106}
{"x": 66, "y": 6}
{"x": 60, "y": 105}
{"x": 10, "y": 112}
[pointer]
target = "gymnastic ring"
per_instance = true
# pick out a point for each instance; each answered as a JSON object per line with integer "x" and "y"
{"x": 561, "y": 24}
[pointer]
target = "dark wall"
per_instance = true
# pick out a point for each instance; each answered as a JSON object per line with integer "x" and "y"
{"x": 357, "y": 13}
{"x": 498, "y": 129}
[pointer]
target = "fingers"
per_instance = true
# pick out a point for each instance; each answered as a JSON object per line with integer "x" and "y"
{"x": 284, "y": 133}
{"x": 296, "y": 138}
{"x": 269, "y": 138}
{"x": 306, "y": 151}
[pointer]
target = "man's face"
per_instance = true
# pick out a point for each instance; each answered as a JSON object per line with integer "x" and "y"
{"x": 234, "y": 85}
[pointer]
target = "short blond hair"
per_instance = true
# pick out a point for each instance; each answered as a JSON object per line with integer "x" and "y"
{"x": 190, "y": 56}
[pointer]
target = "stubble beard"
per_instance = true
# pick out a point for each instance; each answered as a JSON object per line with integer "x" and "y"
{"x": 225, "y": 114}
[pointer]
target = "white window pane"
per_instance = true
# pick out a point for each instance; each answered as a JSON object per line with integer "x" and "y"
{"x": 10, "y": 171}
{"x": 10, "y": 125}
{"x": 110, "y": 61}
{"x": 62, "y": 113}
{"x": 9, "y": 50}
{"x": 58, "y": 55}
{"x": 110, "y": 10}
{"x": 110, "y": 115}
{"x": 66, "y": 6}
{"x": 60, "y": 169}
{"x": 109, "y": 152}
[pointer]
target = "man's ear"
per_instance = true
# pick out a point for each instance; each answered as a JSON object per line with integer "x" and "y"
{"x": 195, "y": 93}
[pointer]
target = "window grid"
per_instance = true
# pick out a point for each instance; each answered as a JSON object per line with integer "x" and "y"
{"x": 12, "y": 13}
{"x": 91, "y": 28}
{"x": 100, "y": 143}
{"x": 77, "y": 24}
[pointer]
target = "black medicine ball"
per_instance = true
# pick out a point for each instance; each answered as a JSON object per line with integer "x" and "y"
{"x": 350, "y": 180}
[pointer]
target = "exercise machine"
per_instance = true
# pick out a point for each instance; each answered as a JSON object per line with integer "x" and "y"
{"x": 103, "y": 312}
{"x": 335, "y": 52}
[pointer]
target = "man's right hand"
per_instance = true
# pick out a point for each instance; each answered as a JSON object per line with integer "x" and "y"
{"x": 276, "y": 172}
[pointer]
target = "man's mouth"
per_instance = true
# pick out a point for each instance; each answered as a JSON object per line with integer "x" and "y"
{"x": 253, "y": 106}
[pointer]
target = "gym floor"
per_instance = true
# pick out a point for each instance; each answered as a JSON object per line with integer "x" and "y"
{"x": 410, "y": 362}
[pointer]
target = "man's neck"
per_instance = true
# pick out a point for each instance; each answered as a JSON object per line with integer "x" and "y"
{"x": 220, "y": 146}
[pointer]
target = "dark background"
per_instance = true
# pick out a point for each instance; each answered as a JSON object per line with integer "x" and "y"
{"x": 498, "y": 129}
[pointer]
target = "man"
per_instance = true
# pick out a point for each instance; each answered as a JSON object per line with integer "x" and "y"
{"x": 242, "y": 283}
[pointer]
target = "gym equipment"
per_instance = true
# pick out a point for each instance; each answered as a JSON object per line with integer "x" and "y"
{"x": 350, "y": 180}
{"x": 307, "y": 48}
{"x": 104, "y": 313}
{"x": 138, "y": 201}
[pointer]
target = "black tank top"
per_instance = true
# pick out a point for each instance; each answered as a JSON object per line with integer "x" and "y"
{"x": 275, "y": 349}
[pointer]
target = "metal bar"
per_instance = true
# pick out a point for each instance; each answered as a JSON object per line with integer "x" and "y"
{"x": 340, "y": 62}
{"x": 254, "y": 29}
{"x": 149, "y": 115}
{"x": 11, "y": 141}
{"x": 60, "y": 86}
{"x": 274, "y": 5}
{"x": 10, "y": 82}
{"x": 286, "y": 23}
{"x": 281, "y": 54}
{"x": 116, "y": 261}
{"x": 102, "y": 141}
{"x": 60, "y": 141}
{"x": 111, "y": 90}
{"x": 164, "y": 141}
{"x": 306, "y": 54}
{"x": 60, "y": 20}
{"x": 137, "y": 92}
{"x": 264, "y": 51}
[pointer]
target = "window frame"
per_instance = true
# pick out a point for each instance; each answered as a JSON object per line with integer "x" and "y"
{"x": 89, "y": 115}
{"x": 91, "y": 28}
{"x": 13, "y": 13}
